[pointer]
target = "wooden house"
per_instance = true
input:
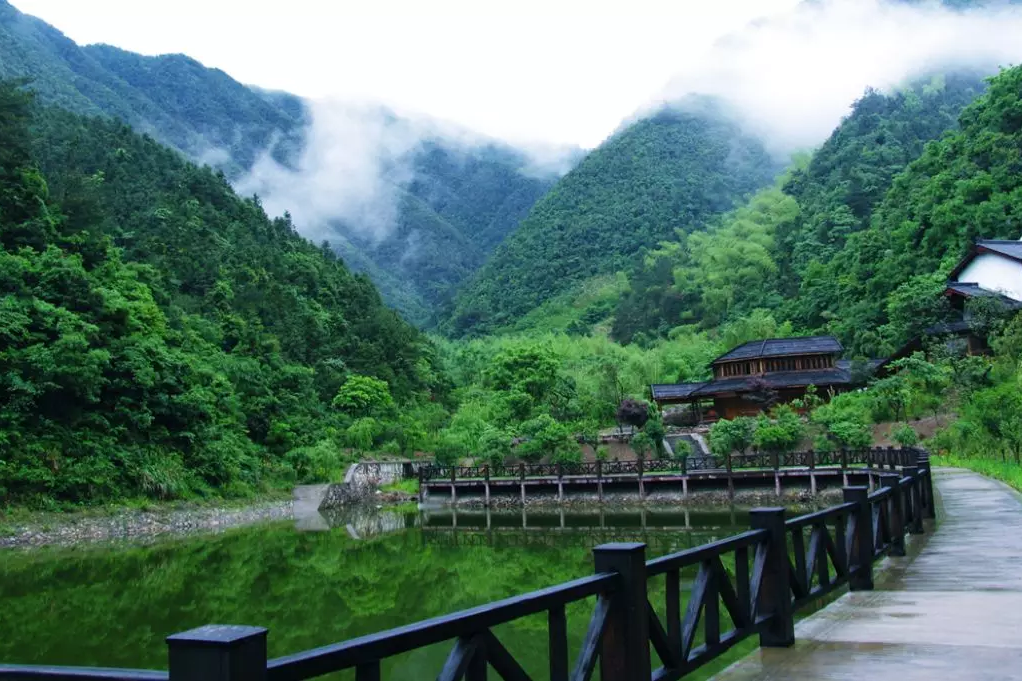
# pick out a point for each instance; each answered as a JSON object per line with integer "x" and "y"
{"x": 758, "y": 374}
{"x": 991, "y": 270}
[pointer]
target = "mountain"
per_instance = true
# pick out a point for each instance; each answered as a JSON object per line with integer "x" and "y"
{"x": 458, "y": 206}
{"x": 161, "y": 336}
{"x": 884, "y": 285}
{"x": 454, "y": 200}
{"x": 757, "y": 256}
{"x": 850, "y": 173}
{"x": 172, "y": 97}
{"x": 675, "y": 169}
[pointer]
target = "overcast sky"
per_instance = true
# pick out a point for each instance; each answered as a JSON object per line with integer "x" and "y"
{"x": 561, "y": 71}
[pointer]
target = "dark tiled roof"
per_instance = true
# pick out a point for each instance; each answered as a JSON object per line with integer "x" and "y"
{"x": 1012, "y": 249}
{"x": 775, "y": 380}
{"x": 976, "y": 291}
{"x": 967, "y": 289}
{"x": 776, "y": 347}
{"x": 674, "y": 391}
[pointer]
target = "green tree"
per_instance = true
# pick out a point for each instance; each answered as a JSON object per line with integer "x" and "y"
{"x": 364, "y": 396}
{"x": 780, "y": 432}
{"x": 905, "y": 435}
{"x": 735, "y": 435}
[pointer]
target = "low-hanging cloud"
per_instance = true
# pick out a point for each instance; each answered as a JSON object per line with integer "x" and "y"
{"x": 348, "y": 172}
{"x": 793, "y": 76}
{"x": 356, "y": 160}
{"x": 790, "y": 77}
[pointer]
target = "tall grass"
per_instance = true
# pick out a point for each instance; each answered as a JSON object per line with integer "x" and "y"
{"x": 1005, "y": 471}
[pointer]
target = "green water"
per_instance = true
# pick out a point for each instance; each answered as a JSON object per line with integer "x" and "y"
{"x": 114, "y": 606}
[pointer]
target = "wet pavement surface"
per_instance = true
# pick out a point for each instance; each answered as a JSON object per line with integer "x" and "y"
{"x": 951, "y": 609}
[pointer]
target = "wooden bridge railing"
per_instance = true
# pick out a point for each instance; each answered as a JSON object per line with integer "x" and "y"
{"x": 877, "y": 457}
{"x": 780, "y": 566}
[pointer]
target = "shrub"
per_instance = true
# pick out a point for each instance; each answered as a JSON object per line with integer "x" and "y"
{"x": 905, "y": 435}
{"x": 734, "y": 435}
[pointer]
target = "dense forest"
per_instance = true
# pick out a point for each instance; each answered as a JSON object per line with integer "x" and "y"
{"x": 760, "y": 256}
{"x": 162, "y": 336}
{"x": 456, "y": 196}
{"x": 676, "y": 169}
{"x": 458, "y": 206}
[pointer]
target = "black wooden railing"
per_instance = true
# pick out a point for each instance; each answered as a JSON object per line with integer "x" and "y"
{"x": 876, "y": 457}
{"x": 779, "y": 566}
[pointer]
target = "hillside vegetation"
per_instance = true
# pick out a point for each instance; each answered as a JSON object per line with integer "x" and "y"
{"x": 673, "y": 170}
{"x": 455, "y": 200}
{"x": 160, "y": 335}
{"x": 788, "y": 248}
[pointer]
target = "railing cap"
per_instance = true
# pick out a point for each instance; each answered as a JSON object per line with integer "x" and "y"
{"x": 621, "y": 547}
{"x": 217, "y": 634}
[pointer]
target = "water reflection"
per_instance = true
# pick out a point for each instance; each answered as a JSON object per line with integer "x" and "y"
{"x": 367, "y": 570}
{"x": 663, "y": 529}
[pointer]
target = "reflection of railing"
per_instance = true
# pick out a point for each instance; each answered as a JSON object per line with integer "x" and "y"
{"x": 759, "y": 595}
{"x": 877, "y": 457}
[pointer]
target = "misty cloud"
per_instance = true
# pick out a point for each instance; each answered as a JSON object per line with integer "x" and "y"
{"x": 349, "y": 171}
{"x": 356, "y": 160}
{"x": 794, "y": 75}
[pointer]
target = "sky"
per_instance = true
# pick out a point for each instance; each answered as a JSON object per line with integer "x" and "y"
{"x": 527, "y": 71}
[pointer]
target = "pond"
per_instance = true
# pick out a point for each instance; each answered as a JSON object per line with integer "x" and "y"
{"x": 362, "y": 572}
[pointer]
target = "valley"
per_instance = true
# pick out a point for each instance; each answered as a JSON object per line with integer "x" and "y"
{"x": 195, "y": 308}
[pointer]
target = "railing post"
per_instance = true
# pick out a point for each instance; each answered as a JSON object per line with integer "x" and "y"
{"x": 896, "y": 517}
{"x": 929, "y": 502}
{"x": 812, "y": 473}
{"x": 861, "y": 549}
{"x": 454, "y": 489}
{"x": 642, "y": 488}
{"x": 914, "y": 499}
{"x": 521, "y": 481}
{"x": 599, "y": 480}
{"x": 486, "y": 485}
{"x": 218, "y": 652}
{"x": 560, "y": 482}
{"x": 775, "y": 588}
{"x": 730, "y": 478}
{"x": 422, "y": 488}
{"x": 625, "y": 654}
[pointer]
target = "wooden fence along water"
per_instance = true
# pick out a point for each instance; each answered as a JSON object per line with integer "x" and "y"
{"x": 809, "y": 469}
{"x": 780, "y": 565}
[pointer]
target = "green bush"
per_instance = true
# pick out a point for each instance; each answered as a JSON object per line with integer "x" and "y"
{"x": 905, "y": 435}
{"x": 736, "y": 435}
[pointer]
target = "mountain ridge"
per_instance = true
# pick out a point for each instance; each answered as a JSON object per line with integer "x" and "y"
{"x": 212, "y": 118}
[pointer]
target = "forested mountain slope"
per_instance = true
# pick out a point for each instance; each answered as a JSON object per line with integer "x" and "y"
{"x": 673, "y": 170}
{"x": 162, "y": 336}
{"x": 882, "y": 286}
{"x": 172, "y": 97}
{"x": 455, "y": 199}
{"x": 459, "y": 205}
{"x": 756, "y": 257}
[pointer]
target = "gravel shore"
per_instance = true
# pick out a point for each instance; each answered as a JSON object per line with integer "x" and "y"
{"x": 137, "y": 526}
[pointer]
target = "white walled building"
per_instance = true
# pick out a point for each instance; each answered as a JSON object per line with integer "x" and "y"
{"x": 991, "y": 267}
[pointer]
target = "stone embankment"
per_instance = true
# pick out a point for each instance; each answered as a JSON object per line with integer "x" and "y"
{"x": 137, "y": 526}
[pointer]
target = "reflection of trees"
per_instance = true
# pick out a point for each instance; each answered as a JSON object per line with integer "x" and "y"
{"x": 114, "y": 606}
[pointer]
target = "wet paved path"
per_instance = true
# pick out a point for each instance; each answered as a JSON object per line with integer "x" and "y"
{"x": 951, "y": 611}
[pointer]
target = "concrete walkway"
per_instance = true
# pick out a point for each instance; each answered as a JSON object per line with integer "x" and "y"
{"x": 953, "y": 610}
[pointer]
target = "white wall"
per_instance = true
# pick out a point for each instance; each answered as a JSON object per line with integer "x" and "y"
{"x": 994, "y": 273}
